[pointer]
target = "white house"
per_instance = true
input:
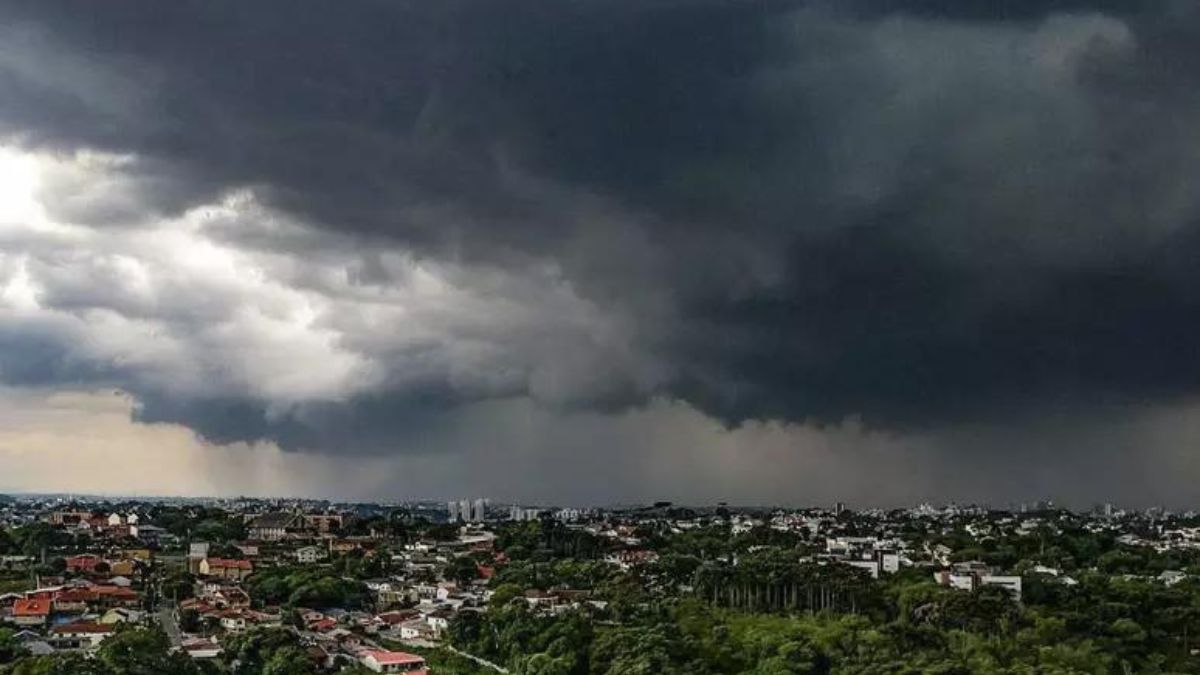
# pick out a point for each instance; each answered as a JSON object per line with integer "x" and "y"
{"x": 1010, "y": 583}
{"x": 234, "y": 622}
{"x": 307, "y": 555}
{"x": 869, "y": 566}
{"x": 85, "y": 634}
{"x": 438, "y": 620}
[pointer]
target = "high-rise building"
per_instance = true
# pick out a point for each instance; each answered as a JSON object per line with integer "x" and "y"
{"x": 452, "y": 509}
{"x": 521, "y": 513}
{"x": 479, "y": 511}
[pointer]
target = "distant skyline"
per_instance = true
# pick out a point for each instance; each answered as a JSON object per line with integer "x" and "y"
{"x": 772, "y": 251}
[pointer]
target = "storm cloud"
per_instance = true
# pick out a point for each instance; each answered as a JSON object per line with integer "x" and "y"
{"x": 337, "y": 227}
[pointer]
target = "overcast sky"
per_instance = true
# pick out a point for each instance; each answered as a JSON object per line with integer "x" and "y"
{"x": 762, "y": 251}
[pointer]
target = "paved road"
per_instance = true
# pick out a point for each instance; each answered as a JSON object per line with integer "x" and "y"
{"x": 483, "y": 662}
{"x": 169, "y": 626}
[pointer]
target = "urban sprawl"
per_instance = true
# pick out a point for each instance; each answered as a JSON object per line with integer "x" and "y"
{"x": 296, "y": 586}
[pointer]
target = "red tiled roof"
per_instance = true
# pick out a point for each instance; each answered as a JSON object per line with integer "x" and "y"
{"x": 30, "y": 607}
{"x": 396, "y": 617}
{"x": 117, "y": 592}
{"x": 85, "y": 561}
{"x": 229, "y": 563}
{"x": 385, "y": 658}
{"x": 322, "y": 625}
{"x": 76, "y": 595}
{"x": 82, "y": 627}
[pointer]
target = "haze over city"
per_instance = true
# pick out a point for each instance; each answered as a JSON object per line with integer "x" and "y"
{"x": 602, "y": 251}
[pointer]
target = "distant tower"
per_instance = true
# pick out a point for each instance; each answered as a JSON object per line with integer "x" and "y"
{"x": 452, "y": 507}
{"x": 477, "y": 514}
{"x": 838, "y": 508}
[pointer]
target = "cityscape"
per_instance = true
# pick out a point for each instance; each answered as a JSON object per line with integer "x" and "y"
{"x": 470, "y": 586}
{"x": 599, "y": 337}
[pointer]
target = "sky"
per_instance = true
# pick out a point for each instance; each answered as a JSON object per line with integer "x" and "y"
{"x": 597, "y": 251}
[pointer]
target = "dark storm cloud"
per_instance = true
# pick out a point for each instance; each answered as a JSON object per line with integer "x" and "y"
{"x": 917, "y": 211}
{"x": 999, "y": 10}
{"x": 373, "y": 424}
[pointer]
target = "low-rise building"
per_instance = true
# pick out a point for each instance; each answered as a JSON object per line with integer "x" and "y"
{"x": 381, "y": 661}
{"x": 30, "y": 612}
{"x": 225, "y": 568}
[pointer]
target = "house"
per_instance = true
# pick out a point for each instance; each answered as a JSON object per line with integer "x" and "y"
{"x": 538, "y": 598}
{"x": 83, "y": 564}
{"x": 225, "y": 568}
{"x": 322, "y": 625}
{"x": 248, "y": 550}
{"x": 123, "y": 568}
{"x": 150, "y": 534}
{"x": 439, "y": 620}
{"x": 381, "y": 661}
{"x": 115, "y": 596}
{"x": 417, "y": 629}
{"x": 142, "y": 554}
{"x": 122, "y": 615}
{"x": 396, "y": 617}
{"x": 73, "y": 600}
{"x": 324, "y": 523}
{"x": 34, "y": 643}
{"x": 80, "y": 634}
{"x": 1012, "y": 584}
{"x": 1171, "y": 577}
{"x": 30, "y": 612}
{"x": 202, "y": 648}
{"x": 68, "y": 517}
{"x": 308, "y": 616}
{"x": 276, "y": 526}
{"x": 232, "y": 620}
{"x": 972, "y": 575}
{"x": 308, "y": 555}
{"x": 627, "y": 559}
{"x": 7, "y": 600}
{"x": 871, "y": 567}
{"x": 230, "y": 597}
{"x": 197, "y": 552}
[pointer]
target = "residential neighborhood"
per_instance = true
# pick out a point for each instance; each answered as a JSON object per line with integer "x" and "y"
{"x": 391, "y": 588}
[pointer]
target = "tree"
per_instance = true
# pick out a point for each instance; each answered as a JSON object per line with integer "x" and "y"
{"x": 10, "y": 647}
{"x": 462, "y": 570}
{"x": 290, "y": 660}
{"x": 60, "y": 664}
{"x": 140, "y": 651}
{"x": 254, "y": 651}
{"x": 189, "y": 621}
{"x": 544, "y": 664}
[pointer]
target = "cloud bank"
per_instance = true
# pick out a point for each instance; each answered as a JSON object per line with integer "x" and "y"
{"x": 344, "y": 230}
